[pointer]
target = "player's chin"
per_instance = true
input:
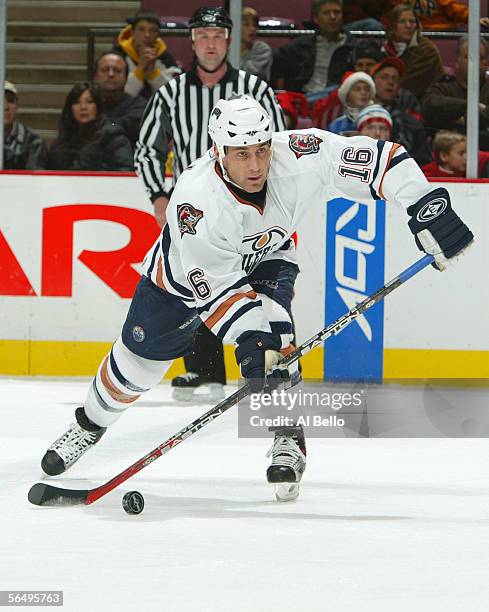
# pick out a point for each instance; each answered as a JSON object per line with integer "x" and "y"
{"x": 254, "y": 186}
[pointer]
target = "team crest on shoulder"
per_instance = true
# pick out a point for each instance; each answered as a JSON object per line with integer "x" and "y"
{"x": 304, "y": 144}
{"x": 188, "y": 217}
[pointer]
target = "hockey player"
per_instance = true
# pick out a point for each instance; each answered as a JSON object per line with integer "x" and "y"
{"x": 225, "y": 257}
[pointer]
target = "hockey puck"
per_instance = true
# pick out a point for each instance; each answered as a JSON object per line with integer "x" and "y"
{"x": 133, "y": 502}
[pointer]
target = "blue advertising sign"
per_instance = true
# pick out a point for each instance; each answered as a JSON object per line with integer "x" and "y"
{"x": 355, "y": 250}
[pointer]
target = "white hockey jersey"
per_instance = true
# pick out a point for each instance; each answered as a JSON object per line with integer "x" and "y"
{"x": 217, "y": 234}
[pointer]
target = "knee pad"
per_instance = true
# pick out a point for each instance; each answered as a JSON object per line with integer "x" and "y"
{"x": 121, "y": 378}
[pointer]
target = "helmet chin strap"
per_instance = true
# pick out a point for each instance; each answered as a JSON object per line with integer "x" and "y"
{"x": 220, "y": 159}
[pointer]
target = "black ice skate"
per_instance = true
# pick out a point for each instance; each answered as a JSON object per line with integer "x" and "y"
{"x": 288, "y": 462}
{"x": 81, "y": 435}
{"x": 191, "y": 387}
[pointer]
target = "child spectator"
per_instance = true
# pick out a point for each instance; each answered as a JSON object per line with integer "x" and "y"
{"x": 256, "y": 55}
{"x": 150, "y": 63}
{"x": 450, "y": 153}
{"x": 375, "y": 121}
{"x": 23, "y": 149}
{"x": 356, "y": 91}
{"x": 420, "y": 56}
{"x": 86, "y": 140}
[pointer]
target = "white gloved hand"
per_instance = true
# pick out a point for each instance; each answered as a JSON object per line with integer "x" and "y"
{"x": 431, "y": 246}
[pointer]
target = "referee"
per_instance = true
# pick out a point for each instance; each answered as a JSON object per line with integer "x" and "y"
{"x": 178, "y": 113}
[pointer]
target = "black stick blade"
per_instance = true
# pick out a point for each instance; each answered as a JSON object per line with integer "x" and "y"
{"x": 42, "y": 494}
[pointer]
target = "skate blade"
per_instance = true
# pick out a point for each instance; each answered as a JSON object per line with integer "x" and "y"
{"x": 182, "y": 395}
{"x": 287, "y": 491}
{"x": 205, "y": 394}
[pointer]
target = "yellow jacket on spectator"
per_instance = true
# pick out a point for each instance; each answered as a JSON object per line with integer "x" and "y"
{"x": 138, "y": 83}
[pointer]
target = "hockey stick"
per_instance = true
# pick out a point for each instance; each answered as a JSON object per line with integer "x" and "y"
{"x": 42, "y": 494}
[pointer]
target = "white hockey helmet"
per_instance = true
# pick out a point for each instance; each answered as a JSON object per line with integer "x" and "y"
{"x": 238, "y": 122}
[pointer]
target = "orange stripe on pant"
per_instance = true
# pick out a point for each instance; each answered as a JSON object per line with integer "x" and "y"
{"x": 112, "y": 390}
{"x": 225, "y": 306}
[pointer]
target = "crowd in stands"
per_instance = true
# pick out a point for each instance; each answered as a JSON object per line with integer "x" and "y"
{"x": 391, "y": 86}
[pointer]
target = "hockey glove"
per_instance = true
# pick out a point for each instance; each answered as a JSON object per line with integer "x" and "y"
{"x": 258, "y": 357}
{"x": 437, "y": 228}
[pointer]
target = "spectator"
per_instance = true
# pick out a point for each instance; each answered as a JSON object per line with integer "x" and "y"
{"x": 407, "y": 128}
{"x": 311, "y": 63}
{"x": 420, "y": 56}
{"x": 86, "y": 140}
{"x": 365, "y": 57}
{"x": 442, "y": 15}
{"x": 125, "y": 110}
{"x": 445, "y": 103}
{"x": 23, "y": 149}
{"x": 179, "y": 112}
{"x": 450, "y": 153}
{"x": 364, "y": 14}
{"x": 356, "y": 91}
{"x": 375, "y": 121}
{"x": 387, "y": 76}
{"x": 256, "y": 55}
{"x": 151, "y": 65}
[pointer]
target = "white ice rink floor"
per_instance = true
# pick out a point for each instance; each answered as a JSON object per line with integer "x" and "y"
{"x": 381, "y": 524}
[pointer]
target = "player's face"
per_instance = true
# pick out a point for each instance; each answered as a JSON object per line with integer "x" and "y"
{"x": 456, "y": 158}
{"x": 329, "y": 19}
{"x": 10, "y": 110}
{"x": 364, "y": 64}
{"x": 145, "y": 34}
{"x": 359, "y": 95}
{"x": 377, "y": 130}
{"x": 248, "y": 166}
{"x": 210, "y": 46}
{"x": 405, "y": 27}
{"x": 85, "y": 110}
{"x": 111, "y": 73}
{"x": 387, "y": 84}
{"x": 248, "y": 31}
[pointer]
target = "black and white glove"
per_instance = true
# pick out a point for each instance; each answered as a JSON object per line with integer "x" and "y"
{"x": 259, "y": 358}
{"x": 438, "y": 230}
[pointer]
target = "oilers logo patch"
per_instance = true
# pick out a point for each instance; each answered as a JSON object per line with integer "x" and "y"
{"x": 304, "y": 144}
{"x": 188, "y": 217}
{"x": 138, "y": 334}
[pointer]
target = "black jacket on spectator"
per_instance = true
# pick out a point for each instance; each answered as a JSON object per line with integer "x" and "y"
{"x": 23, "y": 149}
{"x": 295, "y": 62}
{"x": 407, "y": 102}
{"x": 445, "y": 108}
{"x": 126, "y": 112}
{"x": 105, "y": 149}
{"x": 409, "y": 132}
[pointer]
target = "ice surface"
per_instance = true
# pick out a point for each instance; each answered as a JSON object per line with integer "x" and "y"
{"x": 381, "y": 524}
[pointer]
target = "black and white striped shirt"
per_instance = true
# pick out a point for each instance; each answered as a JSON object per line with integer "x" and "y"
{"x": 179, "y": 112}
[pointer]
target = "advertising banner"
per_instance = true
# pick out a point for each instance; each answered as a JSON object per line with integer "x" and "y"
{"x": 355, "y": 253}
